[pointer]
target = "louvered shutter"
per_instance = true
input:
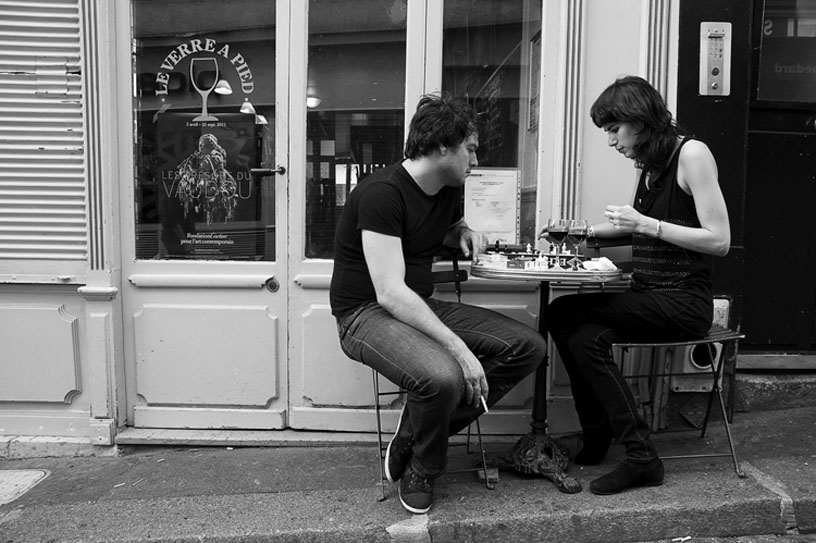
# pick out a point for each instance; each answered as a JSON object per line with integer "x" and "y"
{"x": 43, "y": 215}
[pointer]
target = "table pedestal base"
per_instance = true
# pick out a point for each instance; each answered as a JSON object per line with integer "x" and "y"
{"x": 539, "y": 454}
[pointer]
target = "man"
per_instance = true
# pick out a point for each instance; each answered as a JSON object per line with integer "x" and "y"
{"x": 448, "y": 356}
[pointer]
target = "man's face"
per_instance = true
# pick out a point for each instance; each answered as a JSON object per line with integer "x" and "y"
{"x": 458, "y": 161}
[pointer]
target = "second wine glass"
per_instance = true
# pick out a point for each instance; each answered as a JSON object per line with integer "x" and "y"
{"x": 576, "y": 235}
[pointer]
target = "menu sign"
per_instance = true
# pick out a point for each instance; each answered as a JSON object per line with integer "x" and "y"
{"x": 492, "y": 203}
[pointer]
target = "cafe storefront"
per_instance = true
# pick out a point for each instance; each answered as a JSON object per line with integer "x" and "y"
{"x": 181, "y": 292}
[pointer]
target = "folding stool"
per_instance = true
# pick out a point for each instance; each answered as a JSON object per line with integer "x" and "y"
{"x": 716, "y": 334}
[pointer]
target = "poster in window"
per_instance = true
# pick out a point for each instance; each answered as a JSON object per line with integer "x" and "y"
{"x": 209, "y": 202}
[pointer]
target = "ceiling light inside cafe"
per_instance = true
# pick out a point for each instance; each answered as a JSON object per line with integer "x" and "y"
{"x": 247, "y": 107}
{"x": 223, "y": 88}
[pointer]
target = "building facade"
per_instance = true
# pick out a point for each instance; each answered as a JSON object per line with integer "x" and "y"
{"x": 172, "y": 171}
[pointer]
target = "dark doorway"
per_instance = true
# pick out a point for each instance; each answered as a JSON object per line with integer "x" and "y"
{"x": 780, "y": 202}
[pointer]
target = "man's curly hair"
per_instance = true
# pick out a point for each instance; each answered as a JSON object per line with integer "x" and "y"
{"x": 439, "y": 121}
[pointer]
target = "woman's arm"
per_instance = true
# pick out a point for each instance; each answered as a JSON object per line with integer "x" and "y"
{"x": 697, "y": 176}
{"x": 605, "y": 230}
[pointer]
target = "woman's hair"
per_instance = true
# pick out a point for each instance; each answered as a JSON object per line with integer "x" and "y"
{"x": 632, "y": 99}
{"x": 439, "y": 121}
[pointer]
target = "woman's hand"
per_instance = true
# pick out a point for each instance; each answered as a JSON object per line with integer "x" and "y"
{"x": 624, "y": 218}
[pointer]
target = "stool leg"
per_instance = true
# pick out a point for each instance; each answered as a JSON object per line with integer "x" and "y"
{"x": 716, "y": 371}
{"x": 379, "y": 433}
{"x": 737, "y": 467}
{"x": 727, "y": 426}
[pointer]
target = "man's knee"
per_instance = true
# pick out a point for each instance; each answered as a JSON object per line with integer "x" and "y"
{"x": 440, "y": 386}
{"x": 530, "y": 343}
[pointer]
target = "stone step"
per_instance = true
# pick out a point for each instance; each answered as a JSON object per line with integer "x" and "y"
{"x": 764, "y": 390}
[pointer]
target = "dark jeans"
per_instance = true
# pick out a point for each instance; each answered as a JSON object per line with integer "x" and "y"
{"x": 508, "y": 350}
{"x": 584, "y": 327}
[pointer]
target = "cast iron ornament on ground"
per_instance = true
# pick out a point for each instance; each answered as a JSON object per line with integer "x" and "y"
{"x": 539, "y": 455}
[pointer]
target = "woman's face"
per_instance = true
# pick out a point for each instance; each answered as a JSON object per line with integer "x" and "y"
{"x": 623, "y": 136}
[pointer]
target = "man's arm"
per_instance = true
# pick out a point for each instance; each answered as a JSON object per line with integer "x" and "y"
{"x": 460, "y": 235}
{"x": 386, "y": 266}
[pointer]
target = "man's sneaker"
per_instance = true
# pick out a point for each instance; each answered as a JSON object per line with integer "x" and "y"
{"x": 399, "y": 451}
{"x": 416, "y": 491}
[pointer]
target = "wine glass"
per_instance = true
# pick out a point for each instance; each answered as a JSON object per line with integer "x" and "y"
{"x": 557, "y": 231}
{"x": 576, "y": 235}
{"x": 204, "y": 76}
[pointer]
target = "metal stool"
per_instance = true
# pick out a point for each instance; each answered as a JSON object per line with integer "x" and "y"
{"x": 457, "y": 277}
{"x": 717, "y": 334}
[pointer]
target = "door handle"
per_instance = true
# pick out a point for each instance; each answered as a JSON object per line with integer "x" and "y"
{"x": 268, "y": 171}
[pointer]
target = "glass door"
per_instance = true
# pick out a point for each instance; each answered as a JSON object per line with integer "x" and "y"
{"x": 351, "y": 101}
{"x": 205, "y": 257}
{"x": 367, "y": 64}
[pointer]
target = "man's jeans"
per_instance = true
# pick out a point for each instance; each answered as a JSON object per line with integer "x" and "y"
{"x": 508, "y": 350}
{"x": 584, "y": 327}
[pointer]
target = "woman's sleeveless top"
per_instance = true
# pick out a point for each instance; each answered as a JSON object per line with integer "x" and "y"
{"x": 659, "y": 266}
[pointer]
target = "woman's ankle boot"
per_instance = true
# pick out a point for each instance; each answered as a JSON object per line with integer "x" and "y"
{"x": 629, "y": 474}
{"x": 595, "y": 444}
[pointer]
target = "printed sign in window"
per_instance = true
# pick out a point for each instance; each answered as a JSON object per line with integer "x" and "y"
{"x": 492, "y": 203}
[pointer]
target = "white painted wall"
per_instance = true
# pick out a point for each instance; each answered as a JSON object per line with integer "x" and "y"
{"x": 613, "y": 43}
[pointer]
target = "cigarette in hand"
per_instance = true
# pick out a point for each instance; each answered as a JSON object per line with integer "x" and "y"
{"x": 484, "y": 404}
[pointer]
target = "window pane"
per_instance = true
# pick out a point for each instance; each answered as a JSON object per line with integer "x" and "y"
{"x": 356, "y": 101}
{"x": 204, "y": 108}
{"x": 491, "y": 56}
{"x": 787, "y": 66}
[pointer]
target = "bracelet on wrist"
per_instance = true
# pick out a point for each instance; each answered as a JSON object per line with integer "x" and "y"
{"x": 659, "y": 223}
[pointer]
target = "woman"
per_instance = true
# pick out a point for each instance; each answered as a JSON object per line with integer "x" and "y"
{"x": 678, "y": 221}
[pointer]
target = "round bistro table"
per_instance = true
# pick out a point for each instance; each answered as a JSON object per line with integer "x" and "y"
{"x": 537, "y": 453}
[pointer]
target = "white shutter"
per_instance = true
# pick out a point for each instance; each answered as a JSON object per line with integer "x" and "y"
{"x": 43, "y": 213}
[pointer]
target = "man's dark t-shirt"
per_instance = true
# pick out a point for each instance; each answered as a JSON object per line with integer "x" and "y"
{"x": 390, "y": 202}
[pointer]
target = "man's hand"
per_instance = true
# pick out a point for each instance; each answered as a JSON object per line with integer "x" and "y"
{"x": 470, "y": 243}
{"x": 475, "y": 380}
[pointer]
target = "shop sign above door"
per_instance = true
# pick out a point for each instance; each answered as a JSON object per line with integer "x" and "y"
{"x": 200, "y": 46}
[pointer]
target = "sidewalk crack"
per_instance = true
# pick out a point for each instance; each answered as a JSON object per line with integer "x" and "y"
{"x": 787, "y": 511}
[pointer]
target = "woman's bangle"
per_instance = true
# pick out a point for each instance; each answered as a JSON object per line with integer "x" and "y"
{"x": 659, "y": 222}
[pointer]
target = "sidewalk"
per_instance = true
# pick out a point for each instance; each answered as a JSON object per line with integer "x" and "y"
{"x": 329, "y": 494}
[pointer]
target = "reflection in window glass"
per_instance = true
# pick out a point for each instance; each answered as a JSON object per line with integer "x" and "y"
{"x": 356, "y": 103}
{"x": 491, "y": 55}
{"x": 787, "y": 66}
{"x": 204, "y": 108}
